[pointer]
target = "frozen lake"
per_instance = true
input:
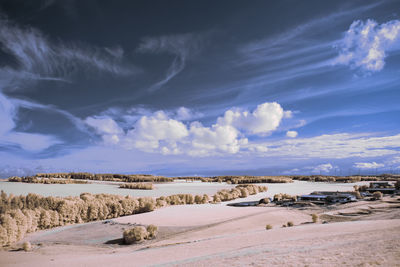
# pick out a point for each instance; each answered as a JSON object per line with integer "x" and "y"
{"x": 166, "y": 189}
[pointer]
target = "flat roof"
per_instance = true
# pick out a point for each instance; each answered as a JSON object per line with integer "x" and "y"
{"x": 314, "y": 196}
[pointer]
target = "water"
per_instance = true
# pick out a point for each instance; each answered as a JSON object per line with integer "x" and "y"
{"x": 166, "y": 189}
{"x": 62, "y": 190}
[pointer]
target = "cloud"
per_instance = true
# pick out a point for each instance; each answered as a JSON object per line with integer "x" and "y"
{"x": 327, "y": 167}
{"x": 106, "y": 127}
{"x": 182, "y": 46}
{"x": 334, "y": 146}
{"x": 291, "y": 134}
{"x": 185, "y": 114}
{"x": 8, "y": 137}
{"x": 7, "y": 113}
{"x": 157, "y": 132}
{"x": 365, "y": 44}
{"x": 368, "y": 165}
{"x": 165, "y": 133}
{"x": 39, "y": 58}
{"x": 116, "y": 51}
{"x": 218, "y": 138}
{"x": 263, "y": 120}
{"x": 29, "y": 141}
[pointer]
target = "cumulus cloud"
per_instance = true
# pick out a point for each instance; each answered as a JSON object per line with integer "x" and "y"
{"x": 218, "y": 138}
{"x": 368, "y": 165}
{"x": 182, "y": 46}
{"x": 263, "y": 120}
{"x": 365, "y": 44}
{"x": 165, "y": 133}
{"x": 157, "y": 132}
{"x": 291, "y": 134}
{"x": 106, "y": 127}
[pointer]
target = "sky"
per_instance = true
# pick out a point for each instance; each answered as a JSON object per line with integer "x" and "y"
{"x": 200, "y": 87}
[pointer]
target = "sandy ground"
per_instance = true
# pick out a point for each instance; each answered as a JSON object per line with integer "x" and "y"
{"x": 356, "y": 234}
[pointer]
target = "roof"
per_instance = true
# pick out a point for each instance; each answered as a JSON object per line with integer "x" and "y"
{"x": 314, "y": 196}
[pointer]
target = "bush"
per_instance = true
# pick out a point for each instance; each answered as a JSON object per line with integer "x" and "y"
{"x": 152, "y": 231}
{"x": 140, "y": 233}
{"x": 264, "y": 201}
{"x": 268, "y": 227}
{"x": 135, "y": 235}
{"x": 239, "y": 191}
{"x": 26, "y": 246}
{"x": 284, "y": 197}
{"x": 140, "y": 186}
{"x": 314, "y": 218}
{"x": 290, "y": 224}
{"x": 377, "y": 195}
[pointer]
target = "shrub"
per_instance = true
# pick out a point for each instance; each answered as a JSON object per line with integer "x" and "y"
{"x": 140, "y": 186}
{"x": 26, "y": 246}
{"x": 283, "y": 197}
{"x": 314, "y": 218}
{"x": 264, "y": 201}
{"x": 268, "y": 227}
{"x": 377, "y": 195}
{"x": 239, "y": 191}
{"x": 283, "y": 225}
{"x": 358, "y": 195}
{"x": 152, "y": 231}
{"x": 290, "y": 224}
{"x": 135, "y": 235}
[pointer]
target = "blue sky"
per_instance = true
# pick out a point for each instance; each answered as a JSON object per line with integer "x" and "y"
{"x": 200, "y": 87}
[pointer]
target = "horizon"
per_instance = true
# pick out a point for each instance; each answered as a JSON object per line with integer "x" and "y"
{"x": 198, "y": 88}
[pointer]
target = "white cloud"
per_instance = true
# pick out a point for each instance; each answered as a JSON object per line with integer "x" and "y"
{"x": 368, "y": 165}
{"x": 327, "y": 167}
{"x": 335, "y": 146}
{"x": 104, "y": 125}
{"x": 365, "y": 44}
{"x": 157, "y": 131}
{"x": 29, "y": 141}
{"x": 291, "y": 134}
{"x": 263, "y": 120}
{"x": 163, "y": 132}
{"x": 218, "y": 138}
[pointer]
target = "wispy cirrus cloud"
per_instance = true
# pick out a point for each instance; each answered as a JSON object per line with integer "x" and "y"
{"x": 37, "y": 57}
{"x": 366, "y": 44}
{"x": 181, "y": 46}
